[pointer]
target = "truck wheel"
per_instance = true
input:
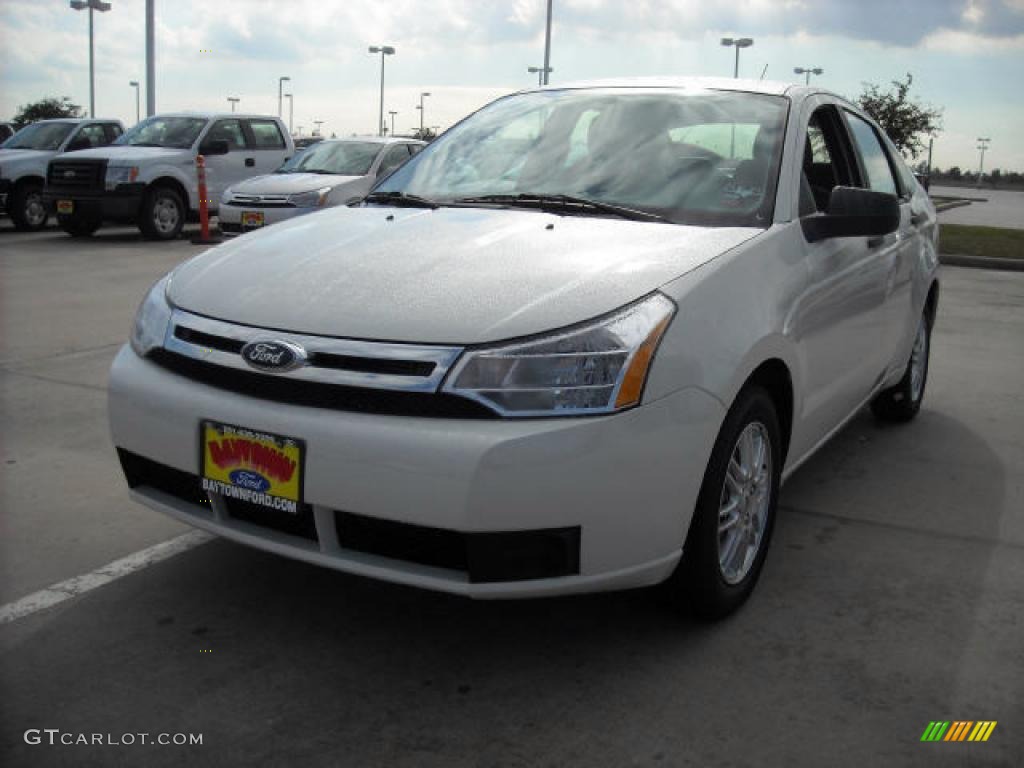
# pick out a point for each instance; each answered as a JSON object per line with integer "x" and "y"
{"x": 902, "y": 401}
{"x": 28, "y": 212}
{"x": 732, "y": 523}
{"x": 78, "y": 226}
{"x": 162, "y": 214}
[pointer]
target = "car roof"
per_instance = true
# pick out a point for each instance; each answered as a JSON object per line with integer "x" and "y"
{"x": 216, "y": 115}
{"x": 77, "y": 120}
{"x": 373, "y": 139}
{"x": 769, "y": 87}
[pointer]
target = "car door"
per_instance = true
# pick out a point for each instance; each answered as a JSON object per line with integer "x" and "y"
{"x": 894, "y": 250}
{"x": 839, "y": 323}
{"x": 224, "y": 170}
{"x": 269, "y": 148}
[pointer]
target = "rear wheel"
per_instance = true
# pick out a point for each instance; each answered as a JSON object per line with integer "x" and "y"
{"x": 903, "y": 401}
{"x": 162, "y": 214}
{"x": 28, "y": 212}
{"x": 77, "y": 226}
{"x": 732, "y": 524}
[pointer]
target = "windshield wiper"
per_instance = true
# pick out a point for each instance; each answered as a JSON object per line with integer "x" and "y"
{"x": 400, "y": 199}
{"x": 565, "y": 203}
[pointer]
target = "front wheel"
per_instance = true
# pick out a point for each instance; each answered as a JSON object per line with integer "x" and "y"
{"x": 732, "y": 524}
{"x": 162, "y": 215}
{"x": 902, "y": 401}
{"x": 27, "y": 209}
{"x": 77, "y": 226}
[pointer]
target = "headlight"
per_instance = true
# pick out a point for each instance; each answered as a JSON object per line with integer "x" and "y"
{"x": 313, "y": 199}
{"x": 597, "y": 368}
{"x": 121, "y": 174}
{"x": 152, "y": 319}
{"x": 228, "y": 195}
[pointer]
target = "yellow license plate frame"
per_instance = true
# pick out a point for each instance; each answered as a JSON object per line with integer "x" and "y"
{"x": 252, "y": 219}
{"x": 252, "y": 465}
{"x": 65, "y": 207}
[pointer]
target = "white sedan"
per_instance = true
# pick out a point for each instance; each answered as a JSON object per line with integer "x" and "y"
{"x": 328, "y": 173}
{"x": 575, "y": 344}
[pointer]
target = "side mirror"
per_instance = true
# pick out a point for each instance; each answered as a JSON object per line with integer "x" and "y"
{"x": 77, "y": 143}
{"x": 214, "y": 147}
{"x": 854, "y": 212}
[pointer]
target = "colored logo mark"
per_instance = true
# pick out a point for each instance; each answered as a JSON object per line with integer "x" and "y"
{"x": 959, "y": 730}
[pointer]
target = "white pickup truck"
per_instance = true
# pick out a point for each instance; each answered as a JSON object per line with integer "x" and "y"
{"x": 148, "y": 176}
{"x": 24, "y": 157}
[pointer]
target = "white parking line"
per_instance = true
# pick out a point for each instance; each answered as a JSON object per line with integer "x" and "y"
{"x": 79, "y": 585}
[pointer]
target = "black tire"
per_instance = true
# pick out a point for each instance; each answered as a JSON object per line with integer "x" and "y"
{"x": 901, "y": 402}
{"x": 78, "y": 226}
{"x": 700, "y": 584}
{"x": 28, "y": 212}
{"x": 162, "y": 214}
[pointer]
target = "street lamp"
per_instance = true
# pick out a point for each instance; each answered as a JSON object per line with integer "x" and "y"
{"x": 808, "y": 71}
{"x": 982, "y": 148}
{"x": 420, "y": 108}
{"x": 540, "y": 71}
{"x": 383, "y": 50}
{"x": 234, "y": 100}
{"x": 392, "y": 113}
{"x": 135, "y": 84}
{"x": 92, "y": 5}
{"x": 291, "y": 110}
{"x": 737, "y": 43}
{"x": 280, "y": 85}
{"x": 547, "y": 47}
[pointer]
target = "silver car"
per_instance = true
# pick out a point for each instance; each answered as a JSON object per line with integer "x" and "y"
{"x": 330, "y": 172}
{"x": 575, "y": 344}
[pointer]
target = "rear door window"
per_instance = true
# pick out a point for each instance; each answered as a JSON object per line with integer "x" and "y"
{"x": 266, "y": 134}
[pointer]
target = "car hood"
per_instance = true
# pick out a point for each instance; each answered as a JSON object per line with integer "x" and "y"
{"x": 20, "y": 155}
{"x": 289, "y": 183}
{"x": 451, "y": 275}
{"x": 123, "y": 154}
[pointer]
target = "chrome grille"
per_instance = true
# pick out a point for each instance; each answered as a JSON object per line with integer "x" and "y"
{"x": 260, "y": 201}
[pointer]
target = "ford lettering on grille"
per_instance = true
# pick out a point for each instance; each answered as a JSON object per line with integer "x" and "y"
{"x": 276, "y": 356}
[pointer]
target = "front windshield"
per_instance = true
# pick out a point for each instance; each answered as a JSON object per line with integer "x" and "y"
{"x": 44, "y": 136}
{"x": 344, "y": 158}
{"x": 696, "y": 157}
{"x": 171, "y": 132}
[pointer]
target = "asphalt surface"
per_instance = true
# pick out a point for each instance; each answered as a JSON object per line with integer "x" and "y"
{"x": 893, "y": 595}
{"x": 1001, "y": 207}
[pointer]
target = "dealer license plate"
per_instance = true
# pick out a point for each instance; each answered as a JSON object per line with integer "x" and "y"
{"x": 252, "y": 219}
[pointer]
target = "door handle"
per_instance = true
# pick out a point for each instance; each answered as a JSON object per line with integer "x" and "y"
{"x": 250, "y": 162}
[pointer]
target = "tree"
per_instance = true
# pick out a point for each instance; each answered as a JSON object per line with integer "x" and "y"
{"x": 45, "y": 109}
{"x": 904, "y": 119}
{"x": 954, "y": 172}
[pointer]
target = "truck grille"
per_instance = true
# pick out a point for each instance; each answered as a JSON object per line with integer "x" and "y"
{"x": 69, "y": 175}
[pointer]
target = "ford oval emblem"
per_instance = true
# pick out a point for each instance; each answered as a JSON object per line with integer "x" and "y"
{"x": 69, "y": 174}
{"x": 275, "y": 356}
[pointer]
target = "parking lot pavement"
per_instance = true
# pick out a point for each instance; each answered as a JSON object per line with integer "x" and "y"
{"x": 893, "y": 594}
{"x": 1001, "y": 207}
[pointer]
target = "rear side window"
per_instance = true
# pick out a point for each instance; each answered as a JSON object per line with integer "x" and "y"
{"x": 872, "y": 154}
{"x": 266, "y": 134}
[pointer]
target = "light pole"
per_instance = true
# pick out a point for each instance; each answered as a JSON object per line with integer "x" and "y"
{"x": 737, "y": 43}
{"x": 541, "y": 73}
{"x": 135, "y": 84}
{"x": 150, "y": 58}
{"x": 291, "y": 110}
{"x": 92, "y": 5}
{"x": 383, "y": 50}
{"x": 280, "y": 92}
{"x": 420, "y": 108}
{"x": 808, "y": 71}
{"x": 982, "y": 148}
{"x": 392, "y": 113}
{"x": 547, "y": 46}
{"x": 234, "y": 100}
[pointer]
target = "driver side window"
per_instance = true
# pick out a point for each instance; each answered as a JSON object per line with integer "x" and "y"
{"x": 825, "y": 162}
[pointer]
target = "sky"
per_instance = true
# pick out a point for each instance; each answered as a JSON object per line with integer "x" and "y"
{"x": 966, "y": 56}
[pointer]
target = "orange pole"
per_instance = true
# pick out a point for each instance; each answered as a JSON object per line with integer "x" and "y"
{"x": 204, "y": 216}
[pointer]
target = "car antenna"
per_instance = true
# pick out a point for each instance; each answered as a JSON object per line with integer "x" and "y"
{"x": 763, "y": 71}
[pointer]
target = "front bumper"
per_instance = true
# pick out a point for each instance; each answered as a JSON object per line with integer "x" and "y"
{"x": 229, "y": 217}
{"x": 628, "y": 482}
{"x": 119, "y": 204}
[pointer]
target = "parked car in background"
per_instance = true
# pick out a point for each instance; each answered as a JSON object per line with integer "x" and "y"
{"x": 25, "y": 155}
{"x": 6, "y": 131}
{"x": 148, "y": 176}
{"x": 307, "y": 141}
{"x": 575, "y": 344}
{"x": 330, "y": 172}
